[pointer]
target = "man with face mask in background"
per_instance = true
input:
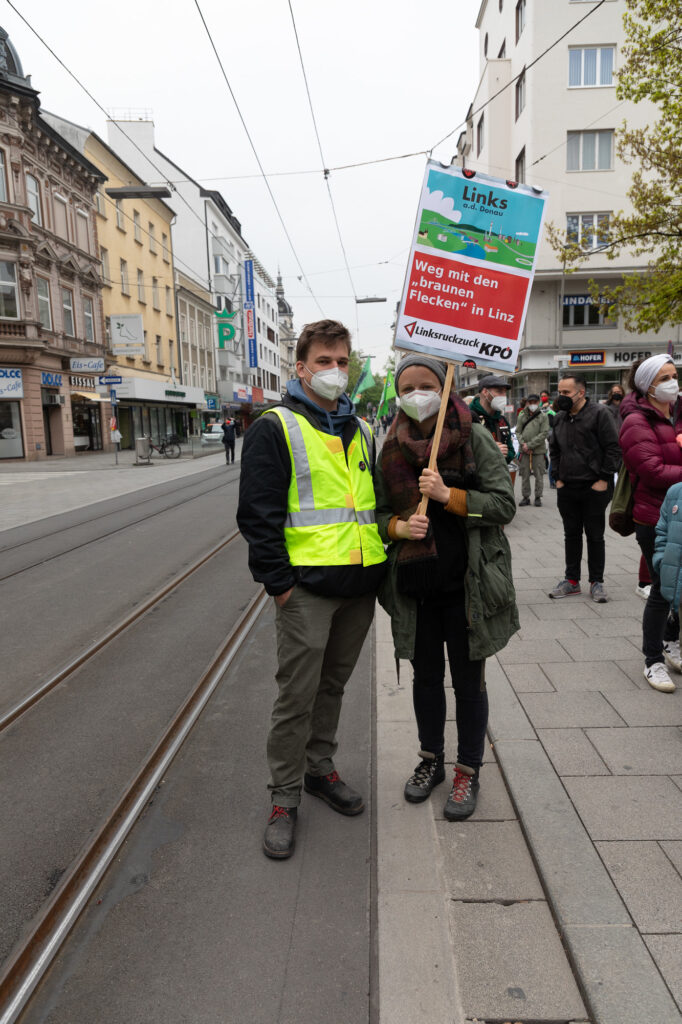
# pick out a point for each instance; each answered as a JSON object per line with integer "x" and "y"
{"x": 532, "y": 430}
{"x": 487, "y": 408}
{"x": 585, "y": 454}
{"x": 307, "y": 512}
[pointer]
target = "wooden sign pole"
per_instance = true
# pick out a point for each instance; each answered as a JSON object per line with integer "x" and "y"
{"x": 447, "y": 388}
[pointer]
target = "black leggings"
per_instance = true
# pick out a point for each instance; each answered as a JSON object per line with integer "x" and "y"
{"x": 438, "y": 624}
{"x": 659, "y": 621}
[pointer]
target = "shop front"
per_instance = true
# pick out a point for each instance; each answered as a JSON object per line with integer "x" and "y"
{"x": 156, "y": 409}
{"x": 86, "y": 413}
{"x": 11, "y": 397}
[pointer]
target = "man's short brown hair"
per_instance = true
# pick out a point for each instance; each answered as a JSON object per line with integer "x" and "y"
{"x": 329, "y": 332}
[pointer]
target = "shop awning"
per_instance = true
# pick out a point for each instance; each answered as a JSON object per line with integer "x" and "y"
{"x": 89, "y": 396}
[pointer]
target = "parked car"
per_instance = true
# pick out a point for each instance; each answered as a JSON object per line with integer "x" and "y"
{"x": 213, "y": 434}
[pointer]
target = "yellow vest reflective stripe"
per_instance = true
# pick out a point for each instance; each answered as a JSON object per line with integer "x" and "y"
{"x": 331, "y": 516}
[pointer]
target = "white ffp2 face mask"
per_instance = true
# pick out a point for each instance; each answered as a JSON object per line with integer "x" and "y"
{"x": 329, "y": 384}
{"x": 498, "y": 403}
{"x": 667, "y": 391}
{"x": 419, "y": 405}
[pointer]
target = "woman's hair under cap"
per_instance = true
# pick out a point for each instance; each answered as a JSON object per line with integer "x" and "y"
{"x": 644, "y": 375}
{"x": 416, "y": 360}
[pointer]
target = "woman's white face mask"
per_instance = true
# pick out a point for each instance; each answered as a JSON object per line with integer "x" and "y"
{"x": 667, "y": 391}
{"x": 419, "y": 405}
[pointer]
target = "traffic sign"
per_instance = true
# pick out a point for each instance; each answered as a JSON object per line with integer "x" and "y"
{"x": 112, "y": 397}
{"x": 110, "y": 380}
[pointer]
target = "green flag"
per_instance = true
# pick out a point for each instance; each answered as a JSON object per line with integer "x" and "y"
{"x": 387, "y": 394}
{"x": 366, "y": 380}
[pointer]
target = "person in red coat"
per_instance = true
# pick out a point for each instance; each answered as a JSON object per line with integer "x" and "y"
{"x": 652, "y": 424}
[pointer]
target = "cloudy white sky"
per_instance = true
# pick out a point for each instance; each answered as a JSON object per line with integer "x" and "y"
{"x": 386, "y": 77}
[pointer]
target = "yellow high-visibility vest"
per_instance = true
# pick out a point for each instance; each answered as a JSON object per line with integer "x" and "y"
{"x": 331, "y": 508}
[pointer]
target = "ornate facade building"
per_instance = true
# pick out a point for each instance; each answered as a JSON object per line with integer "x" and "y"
{"x": 287, "y": 335}
{"x": 52, "y": 341}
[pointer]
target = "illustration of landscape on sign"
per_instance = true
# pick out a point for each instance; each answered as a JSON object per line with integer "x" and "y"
{"x": 473, "y": 218}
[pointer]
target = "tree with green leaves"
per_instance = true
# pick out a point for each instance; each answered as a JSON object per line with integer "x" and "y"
{"x": 652, "y": 70}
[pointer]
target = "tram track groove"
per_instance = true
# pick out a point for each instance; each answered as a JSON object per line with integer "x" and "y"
{"x": 15, "y": 712}
{"x": 103, "y": 536}
{"x": 22, "y": 972}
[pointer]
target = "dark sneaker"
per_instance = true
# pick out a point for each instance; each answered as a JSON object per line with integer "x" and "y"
{"x": 428, "y": 774}
{"x": 524, "y": 501}
{"x": 334, "y": 792}
{"x": 538, "y": 502}
{"x": 564, "y": 588}
{"x": 598, "y": 594}
{"x": 461, "y": 803}
{"x": 278, "y": 840}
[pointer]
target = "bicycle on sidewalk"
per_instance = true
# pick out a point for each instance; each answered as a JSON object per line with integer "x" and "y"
{"x": 169, "y": 447}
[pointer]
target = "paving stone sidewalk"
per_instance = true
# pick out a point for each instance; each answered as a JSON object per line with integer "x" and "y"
{"x": 561, "y": 898}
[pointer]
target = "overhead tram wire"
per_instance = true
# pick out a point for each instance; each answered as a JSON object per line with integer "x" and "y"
{"x": 132, "y": 141}
{"x": 325, "y": 170}
{"x": 255, "y": 153}
{"x": 513, "y": 81}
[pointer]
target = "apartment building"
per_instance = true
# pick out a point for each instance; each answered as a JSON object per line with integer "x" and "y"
{"x": 553, "y": 125}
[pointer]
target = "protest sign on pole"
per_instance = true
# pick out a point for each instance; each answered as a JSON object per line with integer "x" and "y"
{"x": 470, "y": 268}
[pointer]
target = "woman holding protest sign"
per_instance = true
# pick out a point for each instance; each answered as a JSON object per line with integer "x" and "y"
{"x": 449, "y": 583}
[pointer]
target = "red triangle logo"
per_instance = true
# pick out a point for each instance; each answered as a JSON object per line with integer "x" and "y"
{"x": 410, "y": 328}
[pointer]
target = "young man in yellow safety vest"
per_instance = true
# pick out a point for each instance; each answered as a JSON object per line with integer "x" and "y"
{"x": 307, "y": 511}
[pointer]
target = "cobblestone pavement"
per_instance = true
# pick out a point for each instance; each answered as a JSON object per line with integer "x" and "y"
{"x": 579, "y": 873}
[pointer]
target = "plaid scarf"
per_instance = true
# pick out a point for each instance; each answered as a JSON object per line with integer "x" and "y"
{"x": 405, "y": 454}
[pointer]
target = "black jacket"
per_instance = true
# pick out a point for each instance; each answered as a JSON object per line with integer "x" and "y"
{"x": 229, "y": 433}
{"x": 584, "y": 448}
{"x": 263, "y": 492}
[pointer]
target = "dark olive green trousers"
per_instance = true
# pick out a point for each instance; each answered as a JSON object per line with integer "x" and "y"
{"x": 319, "y": 640}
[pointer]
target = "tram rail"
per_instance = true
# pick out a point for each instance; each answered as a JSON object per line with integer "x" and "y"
{"x": 42, "y": 940}
{"x": 21, "y": 706}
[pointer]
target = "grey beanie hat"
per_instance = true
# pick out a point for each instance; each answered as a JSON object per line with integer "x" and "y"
{"x": 416, "y": 360}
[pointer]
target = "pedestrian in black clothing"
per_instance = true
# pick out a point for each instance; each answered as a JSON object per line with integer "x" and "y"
{"x": 584, "y": 453}
{"x": 229, "y": 434}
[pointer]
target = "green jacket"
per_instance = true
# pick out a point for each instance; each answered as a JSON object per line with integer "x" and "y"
{"x": 495, "y": 424}
{"x": 535, "y": 433}
{"x": 488, "y": 587}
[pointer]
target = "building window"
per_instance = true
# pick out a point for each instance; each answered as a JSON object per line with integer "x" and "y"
{"x": 520, "y": 93}
{"x": 479, "y": 135}
{"x": 60, "y": 218}
{"x": 44, "y": 304}
{"x": 120, "y": 220}
{"x": 579, "y": 311}
{"x": 169, "y": 301}
{"x": 3, "y": 178}
{"x": 589, "y": 151}
{"x": 485, "y": 45}
{"x": 100, "y": 204}
{"x": 125, "y": 284}
{"x": 588, "y": 230}
{"x": 106, "y": 273}
{"x": 520, "y": 166}
{"x": 520, "y": 18}
{"x": 140, "y": 286}
{"x": 67, "y": 312}
{"x": 590, "y": 66}
{"x": 152, "y": 237}
{"x": 503, "y": 50}
{"x": 137, "y": 227}
{"x": 164, "y": 248}
{"x": 155, "y": 293}
{"x": 217, "y": 265}
{"x": 33, "y": 198}
{"x": 82, "y": 233}
{"x": 9, "y": 296}
{"x": 159, "y": 352}
{"x": 89, "y": 318}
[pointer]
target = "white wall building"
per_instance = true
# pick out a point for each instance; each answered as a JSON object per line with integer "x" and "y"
{"x": 210, "y": 250}
{"x": 554, "y": 128}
